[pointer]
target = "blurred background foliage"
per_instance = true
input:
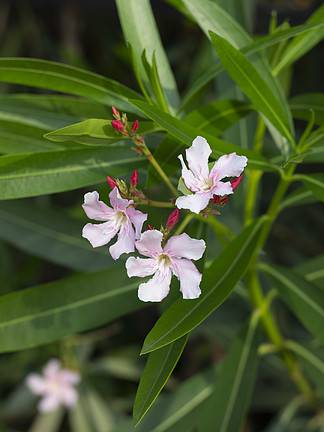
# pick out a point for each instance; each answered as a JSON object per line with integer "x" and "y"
{"x": 87, "y": 33}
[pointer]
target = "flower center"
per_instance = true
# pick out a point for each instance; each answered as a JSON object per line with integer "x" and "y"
{"x": 164, "y": 260}
{"x": 206, "y": 184}
{"x": 120, "y": 218}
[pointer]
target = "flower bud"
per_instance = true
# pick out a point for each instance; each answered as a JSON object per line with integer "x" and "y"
{"x": 115, "y": 112}
{"x": 173, "y": 219}
{"x": 123, "y": 189}
{"x": 117, "y": 125}
{"x": 111, "y": 182}
{"x": 220, "y": 200}
{"x": 135, "y": 126}
{"x": 235, "y": 182}
{"x": 150, "y": 227}
{"x": 134, "y": 178}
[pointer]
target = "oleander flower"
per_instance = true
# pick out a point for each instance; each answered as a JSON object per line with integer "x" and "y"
{"x": 56, "y": 386}
{"x": 175, "y": 258}
{"x": 205, "y": 183}
{"x": 122, "y": 219}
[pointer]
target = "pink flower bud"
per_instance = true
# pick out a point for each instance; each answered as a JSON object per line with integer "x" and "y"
{"x": 220, "y": 200}
{"x": 235, "y": 182}
{"x": 134, "y": 178}
{"x": 135, "y": 126}
{"x": 115, "y": 112}
{"x": 117, "y": 125}
{"x": 111, "y": 182}
{"x": 173, "y": 219}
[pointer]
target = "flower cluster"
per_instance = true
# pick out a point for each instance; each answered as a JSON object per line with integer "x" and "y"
{"x": 56, "y": 386}
{"x": 204, "y": 187}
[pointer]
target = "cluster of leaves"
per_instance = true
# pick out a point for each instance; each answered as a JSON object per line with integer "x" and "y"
{"x": 54, "y": 143}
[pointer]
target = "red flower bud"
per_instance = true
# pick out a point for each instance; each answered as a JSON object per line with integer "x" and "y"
{"x": 111, "y": 182}
{"x": 135, "y": 126}
{"x": 173, "y": 219}
{"x": 117, "y": 125}
{"x": 115, "y": 112}
{"x": 220, "y": 200}
{"x": 235, "y": 182}
{"x": 134, "y": 178}
{"x": 150, "y": 227}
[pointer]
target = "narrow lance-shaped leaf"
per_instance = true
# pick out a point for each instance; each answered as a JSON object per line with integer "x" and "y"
{"x": 217, "y": 283}
{"x": 313, "y": 271}
{"x": 46, "y": 313}
{"x": 303, "y": 298}
{"x": 306, "y": 105}
{"x": 49, "y": 422}
{"x": 158, "y": 369}
{"x": 140, "y": 29}
{"x": 253, "y": 85}
{"x": 32, "y": 174}
{"x": 67, "y": 79}
{"x": 314, "y": 183}
{"x": 226, "y": 408}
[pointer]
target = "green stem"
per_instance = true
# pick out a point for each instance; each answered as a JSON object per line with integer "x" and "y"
{"x": 184, "y": 223}
{"x": 153, "y": 203}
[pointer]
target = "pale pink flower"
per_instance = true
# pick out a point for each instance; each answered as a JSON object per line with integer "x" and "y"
{"x": 56, "y": 386}
{"x": 122, "y": 219}
{"x": 205, "y": 183}
{"x": 163, "y": 262}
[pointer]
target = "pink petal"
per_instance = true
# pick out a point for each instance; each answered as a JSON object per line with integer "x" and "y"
{"x": 195, "y": 202}
{"x": 197, "y": 157}
{"x": 48, "y": 403}
{"x": 189, "y": 278}
{"x": 188, "y": 177}
{"x": 222, "y": 188}
{"x": 230, "y": 165}
{"x": 140, "y": 267}
{"x": 35, "y": 383}
{"x": 125, "y": 242}
{"x": 157, "y": 288}
{"x": 137, "y": 218}
{"x": 95, "y": 209}
{"x": 150, "y": 243}
{"x": 117, "y": 202}
{"x": 183, "y": 246}
{"x": 69, "y": 397}
{"x": 52, "y": 367}
{"x": 70, "y": 377}
{"x": 100, "y": 234}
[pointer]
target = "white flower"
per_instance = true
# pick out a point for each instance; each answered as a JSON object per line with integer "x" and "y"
{"x": 204, "y": 183}
{"x": 122, "y": 218}
{"x": 56, "y": 386}
{"x": 163, "y": 262}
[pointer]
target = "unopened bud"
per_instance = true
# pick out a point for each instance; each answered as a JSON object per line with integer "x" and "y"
{"x": 122, "y": 187}
{"x": 220, "y": 200}
{"x": 150, "y": 227}
{"x": 117, "y": 125}
{"x": 173, "y": 219}
{"x": 115, "y": 112}
{"x": 135, "y": 126}
{"x": 236, "y": 182}
{"x": 134, "y": 178}
{"x": 111, "y": 182}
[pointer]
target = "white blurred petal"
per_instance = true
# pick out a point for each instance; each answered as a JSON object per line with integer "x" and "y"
{"x": 189, "y": 278}
{"x": 230, "y": 165}
{"x": 137, "y": 218}
{"x": 157, "y": 288}
{"x": 35, "y": 383}
{"x": 140, "y": 267}
{"x": 95, "y": 209}
{"x": 222, "y": 188}
{"x": 100, "y": 234}
{"x": 183, "y": 246}
{"x": 197, "y": 157}
{"x": 195, "y": 203}
{"x": 48, "y": 403}
{"x": 125, "y": 242}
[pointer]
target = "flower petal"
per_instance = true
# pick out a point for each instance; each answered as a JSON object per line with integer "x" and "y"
{"x": 52, "y": 367}
{"x": 70, "y": 377}
{"x": 222, "y": 188}
{"x": 197, "y": 157}
{"x": 137, "y": 218}
{"x": 117, "y": 202}
{"x": 195, "y": 202}
{"x": 188, "y": 276}
{"x": 95, "y": 209}
{"x": 183, "y": 246}
{"x": 125, "y": 242}
{"x": 141, "y": 267}
{"x": 157, "y": 288}
{"x": 35, "y": 383}
{"x": 99, "y": 234}
{"x": 150, "y": 243}
{"x": 48, "y": 403}
{"x": 230, "y": 165}
{"x": 188, "y": 177}
{"x": 69, "y": 397}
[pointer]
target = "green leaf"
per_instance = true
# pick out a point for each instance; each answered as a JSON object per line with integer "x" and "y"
{"x": 65, "y": 79}
{"x": 26, "y": 175}
{"x": 303, "y": 298}
{"x": 158, "y": 369}
{"x": 303, "y": 43}
{"x": 303, "y": 105}
{"x": 48, "y": 112}
{"x": 140, "y": 29}
{"x": 226, "y": 408}
{"x": 253, "y": 85}
{"x": 49, "y": 422}
{"x": 217, "y": 283}
{"x": 300, "y": 196}
{"x": 48, "y": 312}
{"x": 98, "y": 129}
{"x": 185, "y": 134}
{"x": 314, "y": 183}
{"x": 313, "y": 271}
{"x": 49, "y": 234}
